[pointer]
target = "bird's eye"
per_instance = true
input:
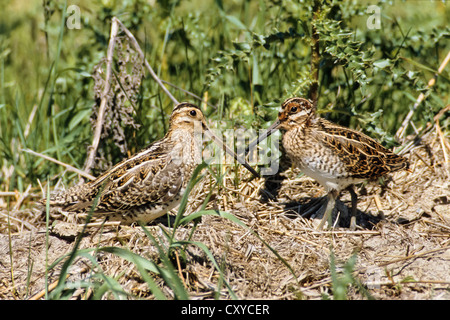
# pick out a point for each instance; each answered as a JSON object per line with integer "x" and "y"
{"x": 193, "y": 113}
{"x": 294, "y": 109}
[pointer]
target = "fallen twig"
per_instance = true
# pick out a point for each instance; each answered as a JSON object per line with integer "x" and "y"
{"x": 413, "y": 256}
{"x": 65, "y": 165}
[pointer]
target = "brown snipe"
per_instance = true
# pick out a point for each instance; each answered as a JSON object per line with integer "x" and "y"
{"x": 150, "y": 183}
{"x": 335, "y": 156}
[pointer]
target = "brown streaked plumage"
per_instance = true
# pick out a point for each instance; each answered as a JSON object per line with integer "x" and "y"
{"x": 335, "y": 156}
{"x": 150, "y": 183}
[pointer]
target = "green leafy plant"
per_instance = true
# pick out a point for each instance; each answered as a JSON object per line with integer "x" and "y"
{"x": 342, "y": 278}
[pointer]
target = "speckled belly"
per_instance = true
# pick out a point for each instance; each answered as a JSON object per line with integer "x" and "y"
{"x": 148, "y": 212}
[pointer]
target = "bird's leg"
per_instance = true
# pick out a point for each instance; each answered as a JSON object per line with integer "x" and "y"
{"x": 354, "y": 208}
{"x": 312, "y": 206}
{"x": 327, "y": 217}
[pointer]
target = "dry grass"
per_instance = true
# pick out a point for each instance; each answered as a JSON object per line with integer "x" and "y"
{"x": 402, "y": 244}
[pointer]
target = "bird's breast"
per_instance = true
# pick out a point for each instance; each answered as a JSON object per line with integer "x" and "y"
{"x": 316, "y": 160}
{"x": 185, "y": 149}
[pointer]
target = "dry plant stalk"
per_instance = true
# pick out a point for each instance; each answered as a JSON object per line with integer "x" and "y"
{"x": 119, "y": 125}
{"x": 147, "y": 65}
{"x": 65, "y": 165}
{"x": 100, "y": 121}
{"x": 401, "y": 131}
{"x": 101, "y": 113}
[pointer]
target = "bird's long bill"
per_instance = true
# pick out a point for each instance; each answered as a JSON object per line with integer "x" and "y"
{"x": 274, "y": 127}
{"x": 224, "y": 147}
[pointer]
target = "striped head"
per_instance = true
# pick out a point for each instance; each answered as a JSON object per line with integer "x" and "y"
{"x": 295, "y": 112}
{"x": 187, "y": 116}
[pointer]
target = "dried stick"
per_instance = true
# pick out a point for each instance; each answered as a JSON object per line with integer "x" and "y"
{"x": 30, "y": 120}
{"x": 141, "y": 53}
{"x": 53, "y": 285}
{"x": 109, "y": 58}
{"x": 22, "y": 198}
{"x": 424, "y": 131}
{"x": 67, "y": 166}
{"x": 8, "y": 194}
{"x": 101, "y": 112}
{"x": 401, "y": 131}
{"x": 190, "y": 93}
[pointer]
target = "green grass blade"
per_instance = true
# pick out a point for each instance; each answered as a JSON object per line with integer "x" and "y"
{"x": 143, "y": 265}
{"x": 192, "y": 182}
{"x": 168, "y": 274}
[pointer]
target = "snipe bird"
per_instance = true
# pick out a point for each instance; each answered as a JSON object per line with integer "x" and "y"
{"x": 337, "y": 157}
{"x": 153, "y": 181}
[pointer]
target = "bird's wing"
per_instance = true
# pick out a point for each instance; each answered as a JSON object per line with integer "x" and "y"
{"x": 364, "y": 156}
{"x": 149, "y": 176}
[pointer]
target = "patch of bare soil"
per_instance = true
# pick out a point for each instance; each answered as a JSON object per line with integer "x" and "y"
{"x": 402, "y": 244}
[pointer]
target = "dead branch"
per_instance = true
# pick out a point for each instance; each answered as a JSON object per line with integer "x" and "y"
{"x": 101, "y": 113}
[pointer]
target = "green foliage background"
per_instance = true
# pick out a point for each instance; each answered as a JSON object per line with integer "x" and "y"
{"x": 248, "y": 56}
